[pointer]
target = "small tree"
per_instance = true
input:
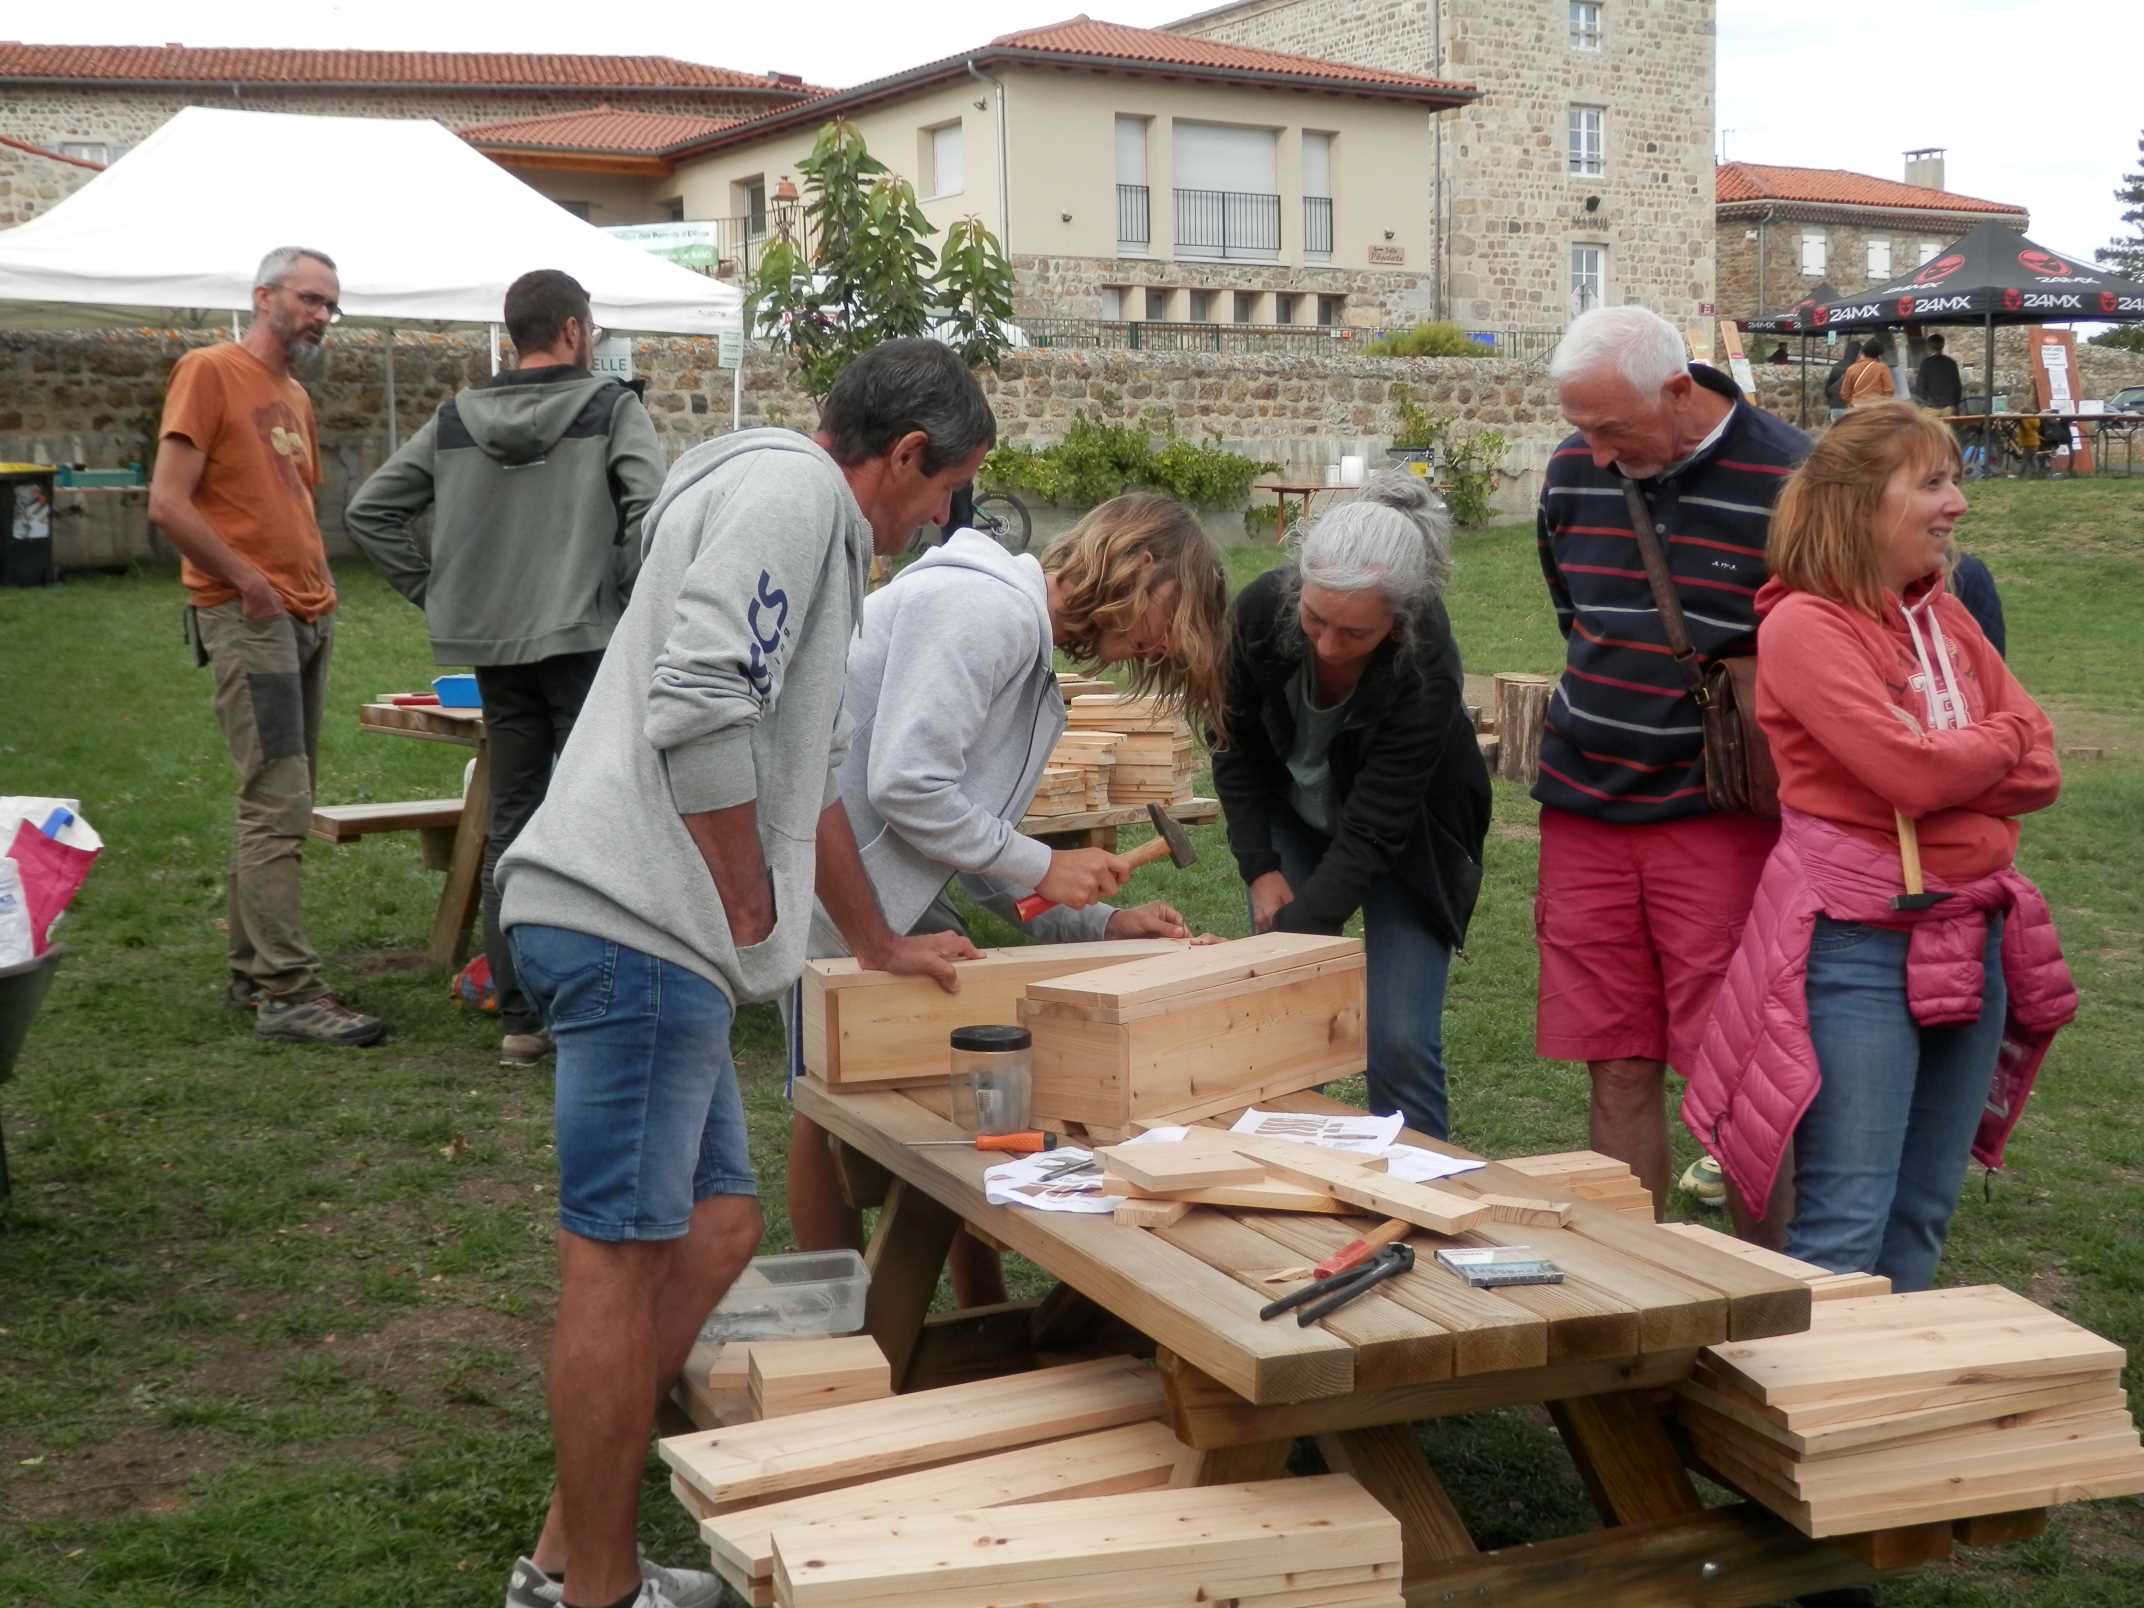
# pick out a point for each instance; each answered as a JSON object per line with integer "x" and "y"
{"x": 870, "y": 275}
{"x": 2126, "y": 255}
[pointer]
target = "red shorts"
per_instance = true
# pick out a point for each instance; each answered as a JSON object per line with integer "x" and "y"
{"x": 1636, "y": 925}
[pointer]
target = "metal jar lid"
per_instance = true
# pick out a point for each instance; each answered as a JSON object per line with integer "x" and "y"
{"x": 992, "y": 1038}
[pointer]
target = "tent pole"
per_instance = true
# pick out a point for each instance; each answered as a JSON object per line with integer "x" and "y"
{"x": 493, "y": 343}
{"x": 1987, "y": 409}
{"x": 737, "y": 387}
{"x": 1804, "y": 403}
{"x": 394, "y": 426}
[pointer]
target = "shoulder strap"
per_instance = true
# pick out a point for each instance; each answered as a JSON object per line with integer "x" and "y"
{"x": 1665, "y": 596}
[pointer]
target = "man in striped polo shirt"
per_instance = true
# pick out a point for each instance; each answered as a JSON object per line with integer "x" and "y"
{"x": 1643, "y": 890}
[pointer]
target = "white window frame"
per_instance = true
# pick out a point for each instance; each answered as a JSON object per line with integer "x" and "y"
{"x": 1926, "y": 251}
{"x": 1586, "y": 142}
{"x": 935, "y": 182}
{"x": 1585, "y": 276}
{"x": 1875, "y": 248}
{"x": 1586, "y": 26}
{"x": 97, "y": 151}
{"x": 1816, "y": 253}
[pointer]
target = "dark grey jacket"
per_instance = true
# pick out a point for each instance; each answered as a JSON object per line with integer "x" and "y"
{"x": 539, "y": 479}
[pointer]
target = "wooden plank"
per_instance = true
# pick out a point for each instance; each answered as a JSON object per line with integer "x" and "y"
{"x": 1728, "y": 1557}
{"x": 1268, "y": 1196}
{"x": 464, "y": 889}
{"x": 863, "y": 1181}
{"x": 1191, "y": 812}
{"x": 346, "y": 823}
{"x": 1786, "y": 1266}
{"x": 1166, "y": 1168}
{"x": 1392, "y": 1346}
{"x": 1569, "y": 1167}
{"x": 1132, "y": 1457}
{"x": 757, "y": 1462}
{"x": 972, "y": 1343}
{"x": 864, "y": 1027}
{"x": 1156, "y": 1289}
{"x": 1438, "y": 1210}
{"x": 1848, "y": 1286}
{"x": 2000, "y": 1529}
{"x": 906, "y": 1254}
{"x": 1238, "y": 1532}
{"x": 1527, "y": 1211}
{"x": 1908, "y": 1548}
{"x": 804, "y": 1375}
{"x": 1206, "y": 1414}
{"x": 1630, "y": 1467}
{"x": 1759, "y": 1301}
{"x": 1152, "y": 1213}
{"x": 1969, "y": 1405}
{"x": 1172, "y": 977}
{"x": 1388, "y": 1463}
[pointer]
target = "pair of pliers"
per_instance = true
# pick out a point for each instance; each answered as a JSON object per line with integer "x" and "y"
{"x": 1323, "y": 1297}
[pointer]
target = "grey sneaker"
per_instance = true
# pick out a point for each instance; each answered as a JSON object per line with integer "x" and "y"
{"x": 242, "y": 994}
{"x": 525, "y": 1049}
{"x": 530, "y": 1587}
{"x": 326, "y": 1020}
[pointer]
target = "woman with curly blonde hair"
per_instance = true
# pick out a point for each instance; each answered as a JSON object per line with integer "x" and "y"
{"x": 953, "y": 703}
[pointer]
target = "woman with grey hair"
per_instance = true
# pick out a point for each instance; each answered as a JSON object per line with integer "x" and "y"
{"x": 1351, "y": 777}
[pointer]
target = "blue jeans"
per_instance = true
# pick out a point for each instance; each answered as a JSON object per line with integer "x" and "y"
{"x": 648, "y": 1117}
{"x": 1408, "y": 965}
{"x": 1881, "y": 1154}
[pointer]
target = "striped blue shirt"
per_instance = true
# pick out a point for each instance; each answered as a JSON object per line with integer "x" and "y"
{"x": 1623, "y": 740}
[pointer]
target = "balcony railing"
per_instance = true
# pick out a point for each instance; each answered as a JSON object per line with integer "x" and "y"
{"x": 1227, "y": 224}
{"x": 739, "y": 241}
{"x": 1317, "y": 226}
{"x": 1135, "y": 223}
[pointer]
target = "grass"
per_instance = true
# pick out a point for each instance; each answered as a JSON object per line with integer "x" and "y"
{"x": 273, "y": 1319}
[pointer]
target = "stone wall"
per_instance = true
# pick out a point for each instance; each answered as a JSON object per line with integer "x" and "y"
{"x": 125, "y": 115}
{"x": 1512, "y": 211}
{"x": 1071, "y": 287}
{"x": 32, "y": 182}
{"x": 1846, "y": 256}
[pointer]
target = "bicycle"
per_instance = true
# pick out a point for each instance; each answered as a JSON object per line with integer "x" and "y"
{"x": 999, "y": 515}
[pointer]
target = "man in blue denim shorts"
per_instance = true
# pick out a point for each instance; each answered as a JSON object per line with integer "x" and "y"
{"x": 669, "y": 876}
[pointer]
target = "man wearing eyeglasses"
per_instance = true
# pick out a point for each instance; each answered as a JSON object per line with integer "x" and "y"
{"x": 236, "y": 467}
{"x": 538, "y": 479}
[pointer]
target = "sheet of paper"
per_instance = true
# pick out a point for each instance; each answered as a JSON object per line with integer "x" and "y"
{"x": 1365, "y": 1135}
{"x": 1024, "y": 1182}
{"x": 1419, "y": 1166}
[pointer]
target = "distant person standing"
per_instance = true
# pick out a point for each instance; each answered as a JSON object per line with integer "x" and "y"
{"x": 540, "y": 477}
{"x": 1869, "y": 379}
{"x": 1849, "y": 355}
{"x": 237, "y": 460}
{"x": 1940, "y": 385}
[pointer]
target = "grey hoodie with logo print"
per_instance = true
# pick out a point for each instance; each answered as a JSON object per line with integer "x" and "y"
{"x": 722, "y": 686}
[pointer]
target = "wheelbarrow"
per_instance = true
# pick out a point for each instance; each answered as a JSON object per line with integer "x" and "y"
{"x": 22, "y": 990}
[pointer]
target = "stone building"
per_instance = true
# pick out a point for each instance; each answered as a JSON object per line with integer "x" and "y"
{"x": 1582, "y": 173}
{"x": 34, "y": 180}
{"x": 94, "y": 102}
{"x": 1783, "y": 231}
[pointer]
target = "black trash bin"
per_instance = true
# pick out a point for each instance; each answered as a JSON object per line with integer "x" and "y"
{"x": 26, "y": 557}
{"x": 22, "y": 990}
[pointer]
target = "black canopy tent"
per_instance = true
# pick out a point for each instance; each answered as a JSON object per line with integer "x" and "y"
{"x": 1794, "y": 321}
{"x": 1991, "y": 276}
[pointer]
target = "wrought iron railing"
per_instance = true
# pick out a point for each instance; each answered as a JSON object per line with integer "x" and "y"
{"x": 739, "y": 241}
{"x": 1317, "y": 226}
{"x": 1227, "y": 223}
{"x": 1135, "y": 223}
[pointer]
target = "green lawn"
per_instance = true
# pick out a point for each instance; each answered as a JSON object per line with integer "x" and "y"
{"x": 272, "y": 1320}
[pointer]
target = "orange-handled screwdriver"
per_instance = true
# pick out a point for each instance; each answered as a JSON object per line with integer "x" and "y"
{"x": 1012, "y": 1144}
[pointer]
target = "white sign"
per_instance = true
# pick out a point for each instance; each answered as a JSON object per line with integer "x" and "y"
{"x": 729, "y": 345}
{"x": 614, "y": 358}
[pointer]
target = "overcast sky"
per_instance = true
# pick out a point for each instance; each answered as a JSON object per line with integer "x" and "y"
{"x": 2033, "y": 111}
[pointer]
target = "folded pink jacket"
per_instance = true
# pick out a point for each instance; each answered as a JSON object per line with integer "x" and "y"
{"x": 1757, "y": 1071}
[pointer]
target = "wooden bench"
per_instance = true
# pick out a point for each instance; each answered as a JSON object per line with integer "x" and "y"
{"x": 434, "y": 820}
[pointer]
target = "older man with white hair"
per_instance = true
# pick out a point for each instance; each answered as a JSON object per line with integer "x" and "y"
{"x": 1643, "y": 889}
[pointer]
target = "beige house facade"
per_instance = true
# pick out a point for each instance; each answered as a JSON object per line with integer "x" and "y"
{"x": 1133, "y": 177}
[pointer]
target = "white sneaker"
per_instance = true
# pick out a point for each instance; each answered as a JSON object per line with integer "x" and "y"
{"x": 530, "y": 1587}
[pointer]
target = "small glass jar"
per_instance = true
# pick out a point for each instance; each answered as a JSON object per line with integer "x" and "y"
{"x": 992, "y": 1086}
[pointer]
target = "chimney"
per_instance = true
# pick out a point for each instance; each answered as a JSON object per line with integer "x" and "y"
{"x": 1925, "y": 167}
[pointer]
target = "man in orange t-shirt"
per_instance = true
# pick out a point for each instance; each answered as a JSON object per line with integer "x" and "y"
{"x": 233, "y": 489}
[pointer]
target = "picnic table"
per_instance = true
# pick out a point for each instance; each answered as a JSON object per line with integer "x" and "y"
{"x": 1097, "y": 829}
{"x": 1635, "y": 1308}
{"x": 1304, "y": 490}
{"x": 454, "y": 830}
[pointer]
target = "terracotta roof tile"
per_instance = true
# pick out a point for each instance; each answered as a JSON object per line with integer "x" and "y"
{"x": 485, "y": 70}
{"x": 1082, "y": 36}
{"x": 604, "y": 129}
{"x": 1758, "y": 181}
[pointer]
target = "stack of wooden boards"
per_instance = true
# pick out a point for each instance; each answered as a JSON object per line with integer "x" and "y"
{"x": 1196, "y": 1031}
{"x": 1213, "y": 1167}
{"x": 1062, "y": 791}
{"x": 1589, "y": 1176}
{"x": 1057, "y": 1486}
{"x": 1155, "y": 762}
{"x": 1093, "y": 754}
{"x": 1911, "y": 1409}
{"x": 753, "y": 1379}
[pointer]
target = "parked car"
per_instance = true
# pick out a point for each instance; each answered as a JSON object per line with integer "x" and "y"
{"x": 2129, "y": 399}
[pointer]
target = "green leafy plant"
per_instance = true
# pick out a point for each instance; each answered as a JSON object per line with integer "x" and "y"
{"x": 870, "y": 274}
{"x": 1096, "y": 461}
{"x": 1419, "y": 429}
{"x": 1427, "y": 340}
{"x": 1469, "y": 469}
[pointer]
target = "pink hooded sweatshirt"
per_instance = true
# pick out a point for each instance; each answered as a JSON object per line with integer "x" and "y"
{"x": 1829, "y": 678}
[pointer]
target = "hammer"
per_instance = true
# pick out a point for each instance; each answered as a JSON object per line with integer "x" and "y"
{"x": 1909, "y": 860}
{"x": 1170, "y": 838}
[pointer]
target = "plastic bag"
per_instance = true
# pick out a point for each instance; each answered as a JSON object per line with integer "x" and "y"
{"x": 50, "y": 871}
{"x": 16, "y": 945}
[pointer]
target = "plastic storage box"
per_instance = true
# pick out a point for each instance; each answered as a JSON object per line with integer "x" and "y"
{"x": 792, "y": 1297}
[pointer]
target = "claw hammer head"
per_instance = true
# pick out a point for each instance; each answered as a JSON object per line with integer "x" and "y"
{"x": 1171, "y": 831}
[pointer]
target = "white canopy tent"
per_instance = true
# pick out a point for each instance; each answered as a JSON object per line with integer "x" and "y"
{"x": 423, "y": 228}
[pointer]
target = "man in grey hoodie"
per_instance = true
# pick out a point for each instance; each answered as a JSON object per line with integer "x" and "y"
{"x": 539, "y": 477}
{"x": 670, "y": 875}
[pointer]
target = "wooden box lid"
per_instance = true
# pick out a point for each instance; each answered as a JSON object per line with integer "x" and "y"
{"x": 1137, "y": 987}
